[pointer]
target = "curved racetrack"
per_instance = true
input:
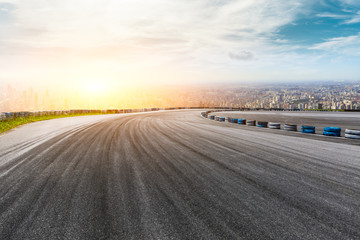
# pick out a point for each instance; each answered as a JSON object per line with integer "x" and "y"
{"x": 174, "y": 175}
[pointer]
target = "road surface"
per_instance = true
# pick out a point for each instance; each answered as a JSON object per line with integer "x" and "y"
{"x": 174, "y": 175}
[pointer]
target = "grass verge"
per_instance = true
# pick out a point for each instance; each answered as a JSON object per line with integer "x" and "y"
{"x": 12, "y": 123}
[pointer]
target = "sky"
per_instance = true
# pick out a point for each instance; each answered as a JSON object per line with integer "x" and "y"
{"x": 98, "y": 44}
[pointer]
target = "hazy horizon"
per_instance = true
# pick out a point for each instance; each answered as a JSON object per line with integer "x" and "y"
{"x": 334, "y": 95}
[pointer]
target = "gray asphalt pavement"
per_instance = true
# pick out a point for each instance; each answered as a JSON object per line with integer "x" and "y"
{"x": 175, "y": 175}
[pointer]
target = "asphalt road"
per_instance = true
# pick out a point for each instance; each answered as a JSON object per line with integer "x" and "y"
{"x": 174, "y": 175}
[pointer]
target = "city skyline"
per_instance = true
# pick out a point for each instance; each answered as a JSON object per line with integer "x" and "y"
{"x": 340, "y": 95}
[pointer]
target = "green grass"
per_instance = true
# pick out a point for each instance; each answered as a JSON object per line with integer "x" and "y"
{"x": 12, "y": 123}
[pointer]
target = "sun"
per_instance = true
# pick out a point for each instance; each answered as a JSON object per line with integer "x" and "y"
{"x": 95, "y": 87}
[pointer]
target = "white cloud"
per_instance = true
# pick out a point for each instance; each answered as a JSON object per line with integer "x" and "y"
{"x": 332, "y": 15}
{"x": 354, "y": 19}
{"x": 131, "y": 34}
{"x": 155, "y": 26}
{"x": 344, "y": 45}
{"x": 348, "y": 18}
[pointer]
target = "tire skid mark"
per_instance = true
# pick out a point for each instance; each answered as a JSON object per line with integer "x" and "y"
{"x": 194, "y": 192}
{"x": 156, "y": 168}
{"x": 143, "y": 177}
{"x": 43, "y": 148}
{"x": 320, "y": 163}
{"x": 278, "y": 147}
{"x": 31, "y": 180}
{"x": 294, "y": 202}
{"x": 253, "y": 183}
{"x": 32, "y": 142}
{"x": 157, "y": 138}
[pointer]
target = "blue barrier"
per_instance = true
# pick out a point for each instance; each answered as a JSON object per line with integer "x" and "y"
{"x": 332, "y": 129}
{"x": 211, "y": 117}
{"x": 307, "y": 129}
{"x": 234, "y": 120}
{"x": 241, "y": 121}
{"x": 262, "y": 124}
{"x": 334, "y": 134}
{"x": 221, "y": 119}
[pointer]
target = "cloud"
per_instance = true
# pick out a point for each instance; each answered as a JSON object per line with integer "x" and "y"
{"x": 332, "y": 15}
{"x": 196, "y": 26}
{"x": 349, "y": 18}
{"x": 134, "y": 34}
{"x": 349, "y": 45}
{"x": 354, "y": 3}
{"x": 243, "y": 55}
{"x": 354, "y": 19}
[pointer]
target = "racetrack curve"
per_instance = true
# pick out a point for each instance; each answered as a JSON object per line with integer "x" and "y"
{"x": 174, "y": 175}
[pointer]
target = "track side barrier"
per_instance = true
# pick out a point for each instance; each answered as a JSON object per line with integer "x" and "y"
{"x": 290, "y": 127}
{"x": 328, "y": 131}
{"x": 352, "y": 133}
{"x": 234, "y": 120}
{"x": 274, "y": 125}
{"x": 307, "y": 129}
{"x": 262, "y": 124}
{"x": 250, "y": 122}
{"x": 332, "y": 131}
{"x": 241, "y": 121}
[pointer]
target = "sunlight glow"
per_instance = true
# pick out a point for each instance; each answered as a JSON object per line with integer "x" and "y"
{"x": 95, "y": 87}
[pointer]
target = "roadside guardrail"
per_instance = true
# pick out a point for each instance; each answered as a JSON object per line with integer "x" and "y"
{"x": 327, "y": 131}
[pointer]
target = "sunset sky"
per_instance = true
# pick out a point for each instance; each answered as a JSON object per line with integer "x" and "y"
{"x": 98, "y": 44}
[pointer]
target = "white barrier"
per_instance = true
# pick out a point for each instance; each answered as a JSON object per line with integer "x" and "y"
{"x": 290, "y": 127}
{"x": 250, "y": 122}
{"x": 274, "y": 125}
{"x": 352, "y": 133}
